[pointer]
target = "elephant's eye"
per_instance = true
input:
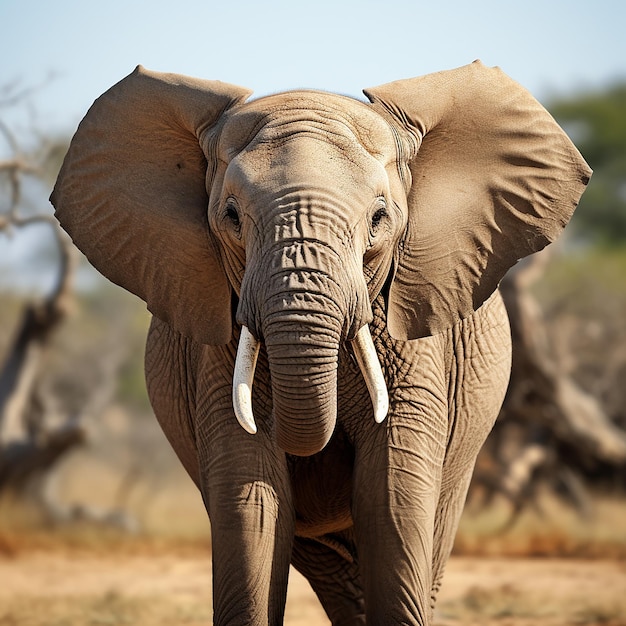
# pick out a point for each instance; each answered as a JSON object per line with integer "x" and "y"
{"x": 379, "y": 215}
{"x": 232, "y": 214}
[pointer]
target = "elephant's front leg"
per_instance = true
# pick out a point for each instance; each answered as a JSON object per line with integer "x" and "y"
{"x": 246, "y": 490}
{"x": 397, "y": 484}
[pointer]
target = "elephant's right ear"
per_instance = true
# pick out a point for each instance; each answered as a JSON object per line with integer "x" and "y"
{"x": 132, "y": 195}
{"x": 493, "y": 179}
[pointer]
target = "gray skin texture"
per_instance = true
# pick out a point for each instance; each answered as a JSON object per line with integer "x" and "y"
{"x": 305, "y": 216}
{"x": 373, "y": 515}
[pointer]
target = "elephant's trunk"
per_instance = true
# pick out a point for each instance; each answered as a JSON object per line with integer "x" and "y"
{"x": 310, "y": 431}
{"x": 302, "y": 353}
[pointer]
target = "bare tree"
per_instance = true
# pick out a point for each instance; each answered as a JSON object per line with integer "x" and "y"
{"x": 550, "y": 430}
{"x": 36, "y": 428}
{"x": 26, "y": 448}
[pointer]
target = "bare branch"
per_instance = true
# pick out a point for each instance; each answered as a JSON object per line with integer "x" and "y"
{"x": 19, "y": 372}
{"x": 550, "y": 430}
{"x": 14, "y": 93}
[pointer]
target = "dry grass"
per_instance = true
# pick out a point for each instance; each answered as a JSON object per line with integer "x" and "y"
{"x": 507, "y": 604}
{"x": 90, "y": 541}
{"x": 523, "y": 591}
{"x": 557, "y": 532}
{"x": 107, "y": 609}
{"x": 23, "y": 531}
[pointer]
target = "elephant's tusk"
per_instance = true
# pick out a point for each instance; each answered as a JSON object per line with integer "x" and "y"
{"x": 245, "y": 364}
{"x": 367, "y": 359}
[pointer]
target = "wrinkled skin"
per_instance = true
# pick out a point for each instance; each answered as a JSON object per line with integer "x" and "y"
{"x": 394, "y": 491}
{"x": 305, "y": 217}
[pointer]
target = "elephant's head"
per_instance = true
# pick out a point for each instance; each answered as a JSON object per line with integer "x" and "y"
{"x": 300, "y": 208}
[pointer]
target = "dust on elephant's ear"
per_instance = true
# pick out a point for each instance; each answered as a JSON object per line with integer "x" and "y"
{"x": 131, "y": 194}
{"x": 494, "y": 180}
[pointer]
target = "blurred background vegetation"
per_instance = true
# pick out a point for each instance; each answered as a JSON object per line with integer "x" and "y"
{"x": 88, "y": 452}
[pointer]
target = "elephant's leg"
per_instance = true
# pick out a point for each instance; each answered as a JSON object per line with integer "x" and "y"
{"x": 247, "y": 492}
{"x": 397, "y": 484}
{"x": 478, "y": 382}
{"x": 334, "y": 578}
{"x": 447, "y": 520}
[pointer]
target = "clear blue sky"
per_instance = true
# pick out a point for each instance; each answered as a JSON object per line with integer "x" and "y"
{"x": 79, "y": 48}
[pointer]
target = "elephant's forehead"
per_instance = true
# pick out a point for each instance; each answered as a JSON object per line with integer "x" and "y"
{"x": 338, "y": 119}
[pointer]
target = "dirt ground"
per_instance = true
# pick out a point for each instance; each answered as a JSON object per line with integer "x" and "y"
{"x": 65, "y": 589}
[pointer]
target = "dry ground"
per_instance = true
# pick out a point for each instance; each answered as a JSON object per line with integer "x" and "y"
{"x": 83, "y": 588}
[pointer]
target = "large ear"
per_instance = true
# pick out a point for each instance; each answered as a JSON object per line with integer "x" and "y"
{"x": 494, "y": 178}
{"x": 132, "y": 195}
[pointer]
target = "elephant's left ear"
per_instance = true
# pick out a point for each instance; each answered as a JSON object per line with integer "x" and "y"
{"x": 132, "y": 194}
{"x": 494, "y": 179}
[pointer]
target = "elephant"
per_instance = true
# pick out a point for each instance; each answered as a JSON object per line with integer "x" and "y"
{"x": 328, "y": 349}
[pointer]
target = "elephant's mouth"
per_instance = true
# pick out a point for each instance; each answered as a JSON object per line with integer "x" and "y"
{"x": 245, "y": 364}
